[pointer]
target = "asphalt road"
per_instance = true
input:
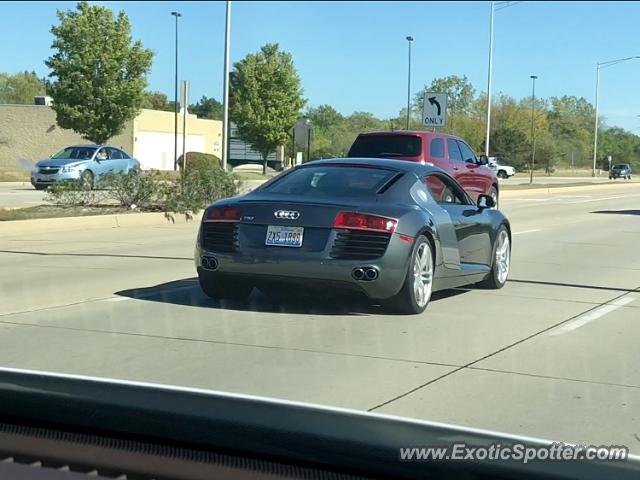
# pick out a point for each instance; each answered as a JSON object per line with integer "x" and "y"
{"x": 554, "y": 354}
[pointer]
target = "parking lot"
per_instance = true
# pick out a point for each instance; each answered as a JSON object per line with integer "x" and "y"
{"x": 556, "y": 347}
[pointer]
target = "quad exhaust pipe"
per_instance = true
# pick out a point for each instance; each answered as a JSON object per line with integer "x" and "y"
{"x": 365, "y": 274}
{"x": 209, "y": 263}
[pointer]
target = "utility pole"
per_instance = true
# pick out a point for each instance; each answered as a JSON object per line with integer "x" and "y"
{"x": 533, "y": 131}
{"x": 175, "y": 100}
{"x": 225, "y": 116}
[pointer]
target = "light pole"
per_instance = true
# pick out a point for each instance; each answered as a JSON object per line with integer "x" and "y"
{"x": 533, "y": 132}
{"x": 225, "y": 113}
{"x": 500, "y": 5}
{"x": 307, "y": 122}
{"x": 175, "y": 100}
{"x": 600, "y": 65}
{"x": 409, "y": 39}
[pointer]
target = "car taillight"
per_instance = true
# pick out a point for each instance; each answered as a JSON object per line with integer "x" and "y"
{"x": 363, "y": 221}
{"x": 223, "y": 214}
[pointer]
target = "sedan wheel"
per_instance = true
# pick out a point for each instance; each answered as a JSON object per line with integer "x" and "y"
{"x": 86, "y": 180}
{"x": 415, "y": 293}
{"x": 501, "y": 261}
{"x": 423, "y": 275}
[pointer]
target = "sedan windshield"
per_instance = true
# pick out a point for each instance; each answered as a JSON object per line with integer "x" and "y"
{"x": 79, "y": 153}
{"x": 332, "y": 182}
{"x": 621, "y": 167}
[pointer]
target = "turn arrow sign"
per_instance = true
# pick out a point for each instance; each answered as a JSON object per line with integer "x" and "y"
{"x": 433, "y": 101}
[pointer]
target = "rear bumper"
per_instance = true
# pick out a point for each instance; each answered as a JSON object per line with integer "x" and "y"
{"x": 314, "y": 269}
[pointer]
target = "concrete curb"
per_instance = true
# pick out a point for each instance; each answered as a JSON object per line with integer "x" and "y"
{"x": 551, "y": 190}
{"x": 46, "y": 225}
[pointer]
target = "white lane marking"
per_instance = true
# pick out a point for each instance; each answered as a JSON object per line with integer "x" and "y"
{"x": 530, "y": 199}
{"x": 594, "y": 315}
{"x": 598, "y": 199}
{"x": 117, "y": 299}
{"x": 527, "y": 231}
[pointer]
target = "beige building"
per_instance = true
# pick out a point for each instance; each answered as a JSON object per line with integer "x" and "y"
{"x": 29, "y": 133}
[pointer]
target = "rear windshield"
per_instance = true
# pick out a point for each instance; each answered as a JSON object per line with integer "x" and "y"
{"x": 332, "y": 181}
{"x": 619, "y": 167}
{"x": 386, "y": 146}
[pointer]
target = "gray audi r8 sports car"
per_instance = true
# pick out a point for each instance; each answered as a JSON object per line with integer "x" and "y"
{"x": 393, "y": 230}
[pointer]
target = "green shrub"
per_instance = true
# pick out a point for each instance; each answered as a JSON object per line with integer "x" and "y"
{"x": 200, "y": 161}
{"x": 132, "y": 190}
{"x": 72, "y": 193}
{"x": 192, "y": 191}
{"x": 196, "y": 189}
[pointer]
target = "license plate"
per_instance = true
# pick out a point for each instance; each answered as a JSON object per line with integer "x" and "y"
{"x": 284, "y": 236}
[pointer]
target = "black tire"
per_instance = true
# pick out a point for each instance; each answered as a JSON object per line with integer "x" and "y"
{"x": 629, "y": 177}
{"x": 404, "y": 302}
{"x": 40, "y": 187}
{"x": 493, "y": 193}
{"x": 219, "y": 287}
{"x": 494, "y": 280}
{"x": 610, "y": 177}
{"x": 502, "y": 174}
{"x": 87, "y": 179}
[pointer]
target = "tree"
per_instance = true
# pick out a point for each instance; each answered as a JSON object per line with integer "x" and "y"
{"x": 265, "y": 98}
{"x": 99, "y": 72}
{"x": 207, "y": 108}
{"x": 156, "y": 101}
{"x": 324, "y": 117}
{"x": 460, "y": 93}
{"x": 510, "y": 145}
{"x": 20, "y": 88}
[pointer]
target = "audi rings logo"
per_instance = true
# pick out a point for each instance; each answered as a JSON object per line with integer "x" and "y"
{"x": 287, "y": 214}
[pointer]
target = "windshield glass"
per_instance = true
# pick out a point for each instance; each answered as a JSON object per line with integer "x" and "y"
{"x": 79, "y": 153}
{"x": 381, "y": 146}
{"x": 331, "y": 182}
{"x": 256, "y": 237}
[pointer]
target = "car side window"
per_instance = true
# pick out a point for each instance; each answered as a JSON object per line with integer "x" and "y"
{"x": 454, "y": 151}
{"x": 436, "y": 148}
{"x": 467, "y": 154}
{"x": 445, "y": 191}
{"x": 115, "y": 154}
{"x": 102, "y": 154}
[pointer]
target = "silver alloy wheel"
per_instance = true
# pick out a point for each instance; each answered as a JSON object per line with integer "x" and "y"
{"x": 503, "y": 256}
{"x": 422, "y": 275}
{"x": 87, "y": 180}
{"x": 494, "y": 195}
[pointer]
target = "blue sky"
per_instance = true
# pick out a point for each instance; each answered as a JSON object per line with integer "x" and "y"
{"x": 353, "y": 55}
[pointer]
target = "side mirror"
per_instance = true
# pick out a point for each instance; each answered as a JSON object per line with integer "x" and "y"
{"x": 483, "y": 160}
{"x": 485, "y": 201}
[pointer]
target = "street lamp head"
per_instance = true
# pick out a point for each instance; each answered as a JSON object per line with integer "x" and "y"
{"x": 410, "y": 38}
{"x": 534, "y": 76}
{"x": 176, "y": 14}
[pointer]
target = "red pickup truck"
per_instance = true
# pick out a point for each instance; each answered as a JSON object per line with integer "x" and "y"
{"x": 448, "y": 152}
